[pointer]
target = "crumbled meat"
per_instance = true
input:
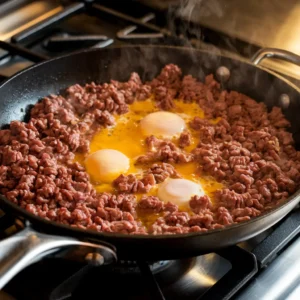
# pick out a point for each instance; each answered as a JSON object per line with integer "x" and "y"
{"x": 161, "y": 150}
{"x": 200, "y": 203}
{"x": 185, "y": 139}
{"x": 150, "y": 204}
{"x": 166, "y": 86}
{"x": 161, "y": 171}
{"x": 177, "y": 218}
{"x": 130, "y": 184}
{"x": 203, "y": 220}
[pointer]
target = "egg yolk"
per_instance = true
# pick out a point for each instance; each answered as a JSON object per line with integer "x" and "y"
{"x": 107, "y": 164}
{"x": 179, "y": 191}
{"x": 162, "y": 124}
{"x": 114, "y": 149}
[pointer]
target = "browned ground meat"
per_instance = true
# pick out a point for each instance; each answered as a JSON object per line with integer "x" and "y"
{"x": 130, "y": 184}
{"x": 185, "y": 139}
{"x": 161, "y": 150}
{"x": 249, "y": 149}
{"x": 156, "y": 174}
{"x": 161, "y": 171}
{"x": 166, "y": 86}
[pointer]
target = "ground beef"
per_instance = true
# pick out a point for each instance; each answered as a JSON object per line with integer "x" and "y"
{"x": 185, "y": 139}
{"x": 166, "y": 86}
{"x": 130, "y": 184}
{"x": 161, "y": 150}
{"x": 200, "y": 203}
{"x": 248, "y": 148}
{"x": 162, "y": 171}
{"x": 150, "y": 204}
{"x": 156, "y": 174}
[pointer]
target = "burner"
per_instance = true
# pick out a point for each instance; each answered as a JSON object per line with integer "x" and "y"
{"x": 132, "y": 267}
{"x": 177, "y": 279}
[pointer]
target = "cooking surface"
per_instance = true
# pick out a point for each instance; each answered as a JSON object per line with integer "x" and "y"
{"x": 13, "y": 21}
{"x": 211, "y": 276}
{"x": 251, "y": 22}
{"x": 266, "y": 23}
{"x": 179, "y": 279}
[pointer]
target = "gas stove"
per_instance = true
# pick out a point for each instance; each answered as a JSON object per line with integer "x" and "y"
{"x": 265, "y": 267}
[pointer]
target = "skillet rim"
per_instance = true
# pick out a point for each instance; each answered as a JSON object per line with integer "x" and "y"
{"x": 67, "y": 228}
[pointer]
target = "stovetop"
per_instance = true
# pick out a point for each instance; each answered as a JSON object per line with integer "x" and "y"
{"x": 31, "y": 31}
{"x": 264, "y": 267}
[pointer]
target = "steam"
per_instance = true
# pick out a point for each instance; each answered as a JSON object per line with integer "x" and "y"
{"x": 187, "y": 7}
{"x": 201, "y": 7}
{"x": 191, "y": 11}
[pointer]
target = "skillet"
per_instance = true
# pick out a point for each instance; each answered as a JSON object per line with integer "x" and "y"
{"x": 101, "y": 65}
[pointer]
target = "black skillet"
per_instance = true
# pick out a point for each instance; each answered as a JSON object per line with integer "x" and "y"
{"x": 102, "y": 65}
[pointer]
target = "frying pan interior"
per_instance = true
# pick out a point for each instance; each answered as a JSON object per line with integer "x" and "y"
{"x": 101, "y": 65}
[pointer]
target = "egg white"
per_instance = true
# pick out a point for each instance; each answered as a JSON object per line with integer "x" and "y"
{"x": 179, "y": 191}
{"x": 106, "y": 164}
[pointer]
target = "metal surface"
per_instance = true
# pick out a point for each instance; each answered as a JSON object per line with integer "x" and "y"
{"x": 95, "y": 258}
{"x": 103, "y": 44}
{"x": 278, "y": 239}
{"x": 15, "y": 49}
{"x": 29, "y": 246}
{"x": 150, "y": 282}
{"x": 17, "y": 16}
{"x": 284, "y": 101}
{"x": 67, "y": 287}
{"x": 142, "y": 23}
{"x": 77, "y": 38}
{"x": 65, "y": 41}
{"x": 294, "y": 295}
{"x": 205, "y": 271}
{"x": 45, "y": 23}
{"x": 126, "y": 33}
{"x": 223, "y": 74}
{"x": 180, "y": 279}
{"x": 275, "y": 53}
{"x": 278, "y": 280}
{"x": 265, "y": 23}
{"x": 86, "y": 22}
{"x": 237, "y": 277}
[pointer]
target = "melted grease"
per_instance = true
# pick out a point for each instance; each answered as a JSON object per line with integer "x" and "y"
{"x": 126, "y": 136}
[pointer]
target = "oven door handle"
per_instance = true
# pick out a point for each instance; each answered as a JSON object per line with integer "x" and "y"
{"x": 29, "y": 246}
{"x": 264, "y": 53}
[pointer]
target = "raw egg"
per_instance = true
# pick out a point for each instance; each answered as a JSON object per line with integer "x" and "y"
{"x": 179, "y": 191}
{"x": 114, "y": 149}
{"x": 107, "y": 164}
{"x": 162, "y": 124}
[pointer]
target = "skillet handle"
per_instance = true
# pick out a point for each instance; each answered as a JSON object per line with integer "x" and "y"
{"x": 288, "y": 56}
{"x": 29, "y": 246}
